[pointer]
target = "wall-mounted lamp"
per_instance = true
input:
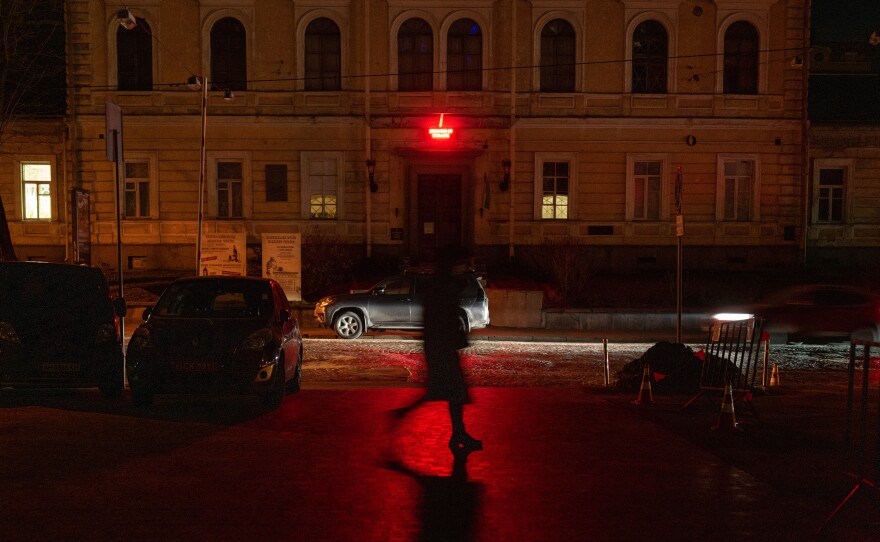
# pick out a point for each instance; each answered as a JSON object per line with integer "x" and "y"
{"x": 371, "y": 171}
{"x": 228, "y": 95}
{"x": 505, "y": 182}
{"x": 125, "y": 18}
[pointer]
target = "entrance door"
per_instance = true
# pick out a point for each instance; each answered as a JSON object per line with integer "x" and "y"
{"x": 439, "y": 214}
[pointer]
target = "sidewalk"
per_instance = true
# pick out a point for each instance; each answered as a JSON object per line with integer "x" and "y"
{"x": 560, "y": 464}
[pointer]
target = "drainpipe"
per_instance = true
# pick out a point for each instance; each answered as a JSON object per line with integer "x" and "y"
{"x": 511, "y": 140}
{"x": 807, "y": 187}
{"x": 367, "y": 128}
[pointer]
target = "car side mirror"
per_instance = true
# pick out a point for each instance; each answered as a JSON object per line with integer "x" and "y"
{"x": 120, "y": 307}
{"x": 146, "y": 313}
{"x": 379, "y": 291}
{"x": 284, "y": 315}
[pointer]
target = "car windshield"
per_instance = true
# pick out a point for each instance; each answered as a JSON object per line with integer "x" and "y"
{"x": 71, "y": 288}
{"x": 228, "y": 298}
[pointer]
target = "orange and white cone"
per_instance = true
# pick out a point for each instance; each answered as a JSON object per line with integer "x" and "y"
{"x": 645, "y": 388}
{"x": 727, "y": 418}
{"x": 774, "y": 375}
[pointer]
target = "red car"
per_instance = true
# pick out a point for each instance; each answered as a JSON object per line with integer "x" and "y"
{"x": 817, "y": 311}
{"x": 217, "y": 334}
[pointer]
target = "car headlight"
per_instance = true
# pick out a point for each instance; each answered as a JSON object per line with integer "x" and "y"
{"x": 140, "y": 339}
{"x": 256, "y": 342}
{"x": 106, "y": 333}
{"x": 7, "y": 333}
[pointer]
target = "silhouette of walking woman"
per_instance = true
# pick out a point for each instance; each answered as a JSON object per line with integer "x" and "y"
{"x": 443, "y": 337}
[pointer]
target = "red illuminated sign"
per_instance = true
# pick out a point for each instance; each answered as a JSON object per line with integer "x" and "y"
{"x": 440, "y": 132}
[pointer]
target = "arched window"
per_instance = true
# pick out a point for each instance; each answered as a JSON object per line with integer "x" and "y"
{"x": 415, "y": 56}
{"x": 649, "y": 58}
{"x": 741, "y": 59}
{"x": 557, "y": 57}
{"x": 134, "y": 57}
{"x": 323, "y": 55}
{"x": 228, "y": 55}
{"x": 464, "y": 56}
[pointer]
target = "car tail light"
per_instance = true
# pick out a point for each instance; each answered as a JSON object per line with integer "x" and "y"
{"x": 7, "y": 333}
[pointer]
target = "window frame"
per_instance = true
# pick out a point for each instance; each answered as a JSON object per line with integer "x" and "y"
{"x": 20, "y": 198}
{"x": 153, "y": 180}
{"x": 540, "y": 58}
{"x": 213, "y": 60}
{"x": 306, "y": 159}
{"x": 738, "y": 58}
{"x": 847, "y": 165}
{"x": 398, "y": 57}
{"x": 540, "y": 160}
{"x": 445, "y": 60}
{"x": 758, "y": 20}
{"x": 246, "y": 187}
{"x": 754, "y": 199}
{"x": 141, "y": 36}
{"x": 339, "y": 56}
{"x": 664, "y": 203}
{"x": 210, "y": 15}
{"x": 650, "y": 59}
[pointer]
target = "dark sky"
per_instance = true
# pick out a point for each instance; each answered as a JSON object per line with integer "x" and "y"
{"x": 844, "y": 20}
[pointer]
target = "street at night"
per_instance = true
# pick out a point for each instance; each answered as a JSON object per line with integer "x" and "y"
{"x": 564, "y": 459}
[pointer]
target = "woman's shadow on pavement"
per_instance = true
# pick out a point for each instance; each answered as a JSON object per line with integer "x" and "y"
{"x": 450, "y": 504}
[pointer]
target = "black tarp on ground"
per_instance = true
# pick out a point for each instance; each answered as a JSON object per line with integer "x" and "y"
{"x": 675, "y": 368}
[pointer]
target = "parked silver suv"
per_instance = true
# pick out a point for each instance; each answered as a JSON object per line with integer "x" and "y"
{"x": 397, "y": 303}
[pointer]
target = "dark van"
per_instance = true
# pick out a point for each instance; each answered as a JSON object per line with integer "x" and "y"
{"x": 59, "y": 328}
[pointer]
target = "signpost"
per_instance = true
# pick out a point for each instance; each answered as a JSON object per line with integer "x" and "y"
{"x": 679, "y": 233}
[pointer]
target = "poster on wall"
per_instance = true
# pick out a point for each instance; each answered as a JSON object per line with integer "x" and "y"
{"x": 224, "y": 254}
{"x": 82, "y": 233}
{"x": 282, "y": 262}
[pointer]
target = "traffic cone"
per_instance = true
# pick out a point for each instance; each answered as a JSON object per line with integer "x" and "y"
{"x": 645, "y": 387}
{"x": 774, "y": 375}
{"x": 727, "y": 418}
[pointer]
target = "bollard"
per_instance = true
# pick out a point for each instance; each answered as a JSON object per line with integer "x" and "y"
{"x": 607, "y": 369}
{"x": 766, "y": 363}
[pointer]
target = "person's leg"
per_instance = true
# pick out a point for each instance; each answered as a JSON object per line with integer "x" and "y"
{"x": 460, "y": 439}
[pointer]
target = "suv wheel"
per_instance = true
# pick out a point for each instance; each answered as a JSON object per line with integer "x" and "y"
{"x": 349, "y": 325}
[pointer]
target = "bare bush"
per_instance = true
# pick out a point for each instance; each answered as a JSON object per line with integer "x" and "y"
{"x": 326, "y": 260}
{"x": 564, "y": 260}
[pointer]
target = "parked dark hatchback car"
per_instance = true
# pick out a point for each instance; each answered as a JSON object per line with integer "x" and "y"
{"x": 59, "y": 328}
{"x": 217, "y": 334}
{"x": 817, "y": 311}
{"x": 397, "y": 303}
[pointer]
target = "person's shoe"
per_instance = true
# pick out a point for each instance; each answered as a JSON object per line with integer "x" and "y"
{"x": 463, "y": 441}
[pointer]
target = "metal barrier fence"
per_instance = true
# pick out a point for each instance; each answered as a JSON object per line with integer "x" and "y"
{"x": 731, "y": 356}
{"x": 861, "y": 440}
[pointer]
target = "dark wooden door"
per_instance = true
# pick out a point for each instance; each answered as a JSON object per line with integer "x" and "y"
{"x": 439, "y": 221}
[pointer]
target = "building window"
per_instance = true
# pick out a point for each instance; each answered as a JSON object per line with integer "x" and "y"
{"x": 415, "y": 56}
{"x": 322, "y": 193}
{"x": 647, "y": 190}
{"x": 230, "y": 182}
{"x": 830, "y": 195}
{"x": 323, "y": 58}
{"x": 741, "y": 59}
{"x": 557, "y": 57}
{"x": 36, "y": 187}
{"x": 464, "y": 56}
{"x": 134, "y": 57}
{"x": 554, "y": 190}
{"x": 737, "y": 185}
{"x": 137, "y": 189}
{"x": 228, "y": 55}
{"x": 649, "y": 58}
{"x": 276, "y": 182}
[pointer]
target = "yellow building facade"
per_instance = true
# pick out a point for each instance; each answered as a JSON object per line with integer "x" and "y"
{"x": 499, "y": 125}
